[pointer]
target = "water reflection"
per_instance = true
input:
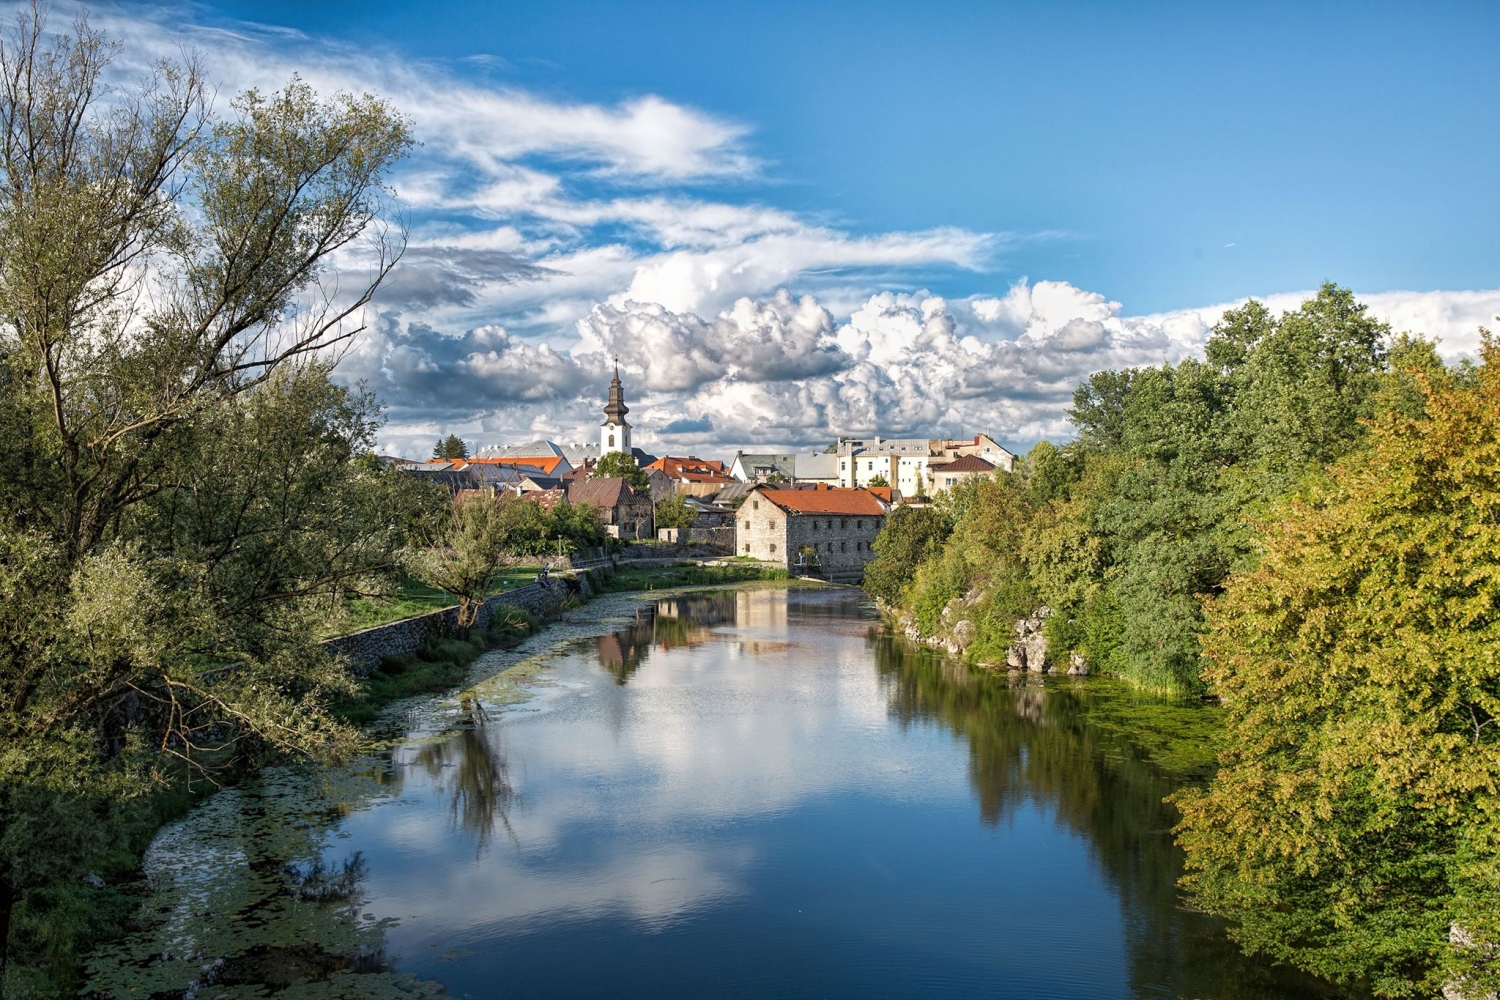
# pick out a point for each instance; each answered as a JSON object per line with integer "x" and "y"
{"x": 1041, "y": 742}
{"x": 468, "y": 764}
{"x": 743, "y": 793}
{"x": 671, "y": 623}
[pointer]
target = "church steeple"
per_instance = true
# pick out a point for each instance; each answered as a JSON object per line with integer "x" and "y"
{"x": 616, "y": 409}
{"x": 614, "y": 435}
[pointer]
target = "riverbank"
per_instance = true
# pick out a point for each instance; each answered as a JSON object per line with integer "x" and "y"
{"x": 96, "y": 906}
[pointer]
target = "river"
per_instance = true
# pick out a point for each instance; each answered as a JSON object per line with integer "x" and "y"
{"x": 743, "y": 793}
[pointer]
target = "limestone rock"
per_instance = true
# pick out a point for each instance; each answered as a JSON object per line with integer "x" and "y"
{"x": 1078, "y": 665}
{"x": 963, "y": 634}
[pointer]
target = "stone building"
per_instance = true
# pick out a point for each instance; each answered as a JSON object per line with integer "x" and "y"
{"x": 829, "y": 530}
{"x": 623, "y": 512}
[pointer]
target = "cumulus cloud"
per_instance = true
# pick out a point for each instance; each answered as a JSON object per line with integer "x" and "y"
{"x": 783, "y": 371}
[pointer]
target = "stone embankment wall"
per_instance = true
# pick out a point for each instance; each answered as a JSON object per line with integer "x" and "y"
{"x": 720, "y": 541}
{"x": 362, "y": 651}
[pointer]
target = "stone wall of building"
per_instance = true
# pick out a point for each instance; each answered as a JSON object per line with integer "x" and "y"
{"x": 362, "y": 651}
{"x": 843, "y": 543}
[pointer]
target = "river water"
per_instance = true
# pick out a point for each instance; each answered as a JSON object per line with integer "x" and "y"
{"x": 743, "y": 793}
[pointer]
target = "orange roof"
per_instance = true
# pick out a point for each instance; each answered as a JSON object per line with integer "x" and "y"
{"x": 883, "y": 492}
{"x": 836, "y": 500}
{"x": 547, "y": 463}
{"x": 692, "y": 470}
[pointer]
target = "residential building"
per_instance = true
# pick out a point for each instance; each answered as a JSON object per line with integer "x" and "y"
{"x": 758, "y": 468}
{"x": 822, "y": 468}
{"x": 983, "y": 446}
{"x": 546, "y": 465}
{"x": 960, "y": 470}
{"x": 699, "y": 477}
{"x": 829, "y": 530}
{"x": 623, "y": 512}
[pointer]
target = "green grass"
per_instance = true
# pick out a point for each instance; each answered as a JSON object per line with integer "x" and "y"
{"x": 660, "y": 577}
{"x": 416, "y": 598}
{"x": 437, "y": 666}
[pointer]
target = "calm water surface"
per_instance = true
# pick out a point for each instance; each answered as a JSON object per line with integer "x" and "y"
{"x": 749, "y": 793}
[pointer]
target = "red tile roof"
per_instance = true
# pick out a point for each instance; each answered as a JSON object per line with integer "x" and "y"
{"x": 964, "y": 463}
{"x": 692, "y": 470}
{"x": 883, "y": 492}
{"x": 835, "y": 500}
{"x": 547, "y": 463}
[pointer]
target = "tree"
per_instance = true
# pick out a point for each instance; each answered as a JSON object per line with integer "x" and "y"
{"x": 619, "y": 465}
{"x": 577, "y": 524}
{"x": 879, "y": 480}
{"x": 909, "y": 536}
{"x": 450, "y": 447}
{"x": 465, "y": 553}
{"x": 1352, "y": 825}
{"x": 675, "y": 512}
{"x": 776, "y": 477}
{"x": 179, "y": 505}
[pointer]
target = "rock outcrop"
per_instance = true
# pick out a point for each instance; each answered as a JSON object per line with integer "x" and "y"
{"x": 1029, "y": 651}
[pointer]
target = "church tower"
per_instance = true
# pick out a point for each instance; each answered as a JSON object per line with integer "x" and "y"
{"x": 615, "y": 434}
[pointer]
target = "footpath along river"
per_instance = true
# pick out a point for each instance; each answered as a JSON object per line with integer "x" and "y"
{"x": 740, "y": 793}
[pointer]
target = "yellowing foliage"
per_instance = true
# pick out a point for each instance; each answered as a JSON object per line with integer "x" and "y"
{"x": 1353, "y": 822}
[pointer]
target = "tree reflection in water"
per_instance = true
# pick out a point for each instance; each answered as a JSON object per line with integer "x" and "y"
{"x": 1050, "y": 743}
{"x": 469, "y": 765}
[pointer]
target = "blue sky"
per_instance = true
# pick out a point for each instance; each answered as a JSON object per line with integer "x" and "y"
{"x": 1356, "y": 142}
{"x": 793, "y": 221}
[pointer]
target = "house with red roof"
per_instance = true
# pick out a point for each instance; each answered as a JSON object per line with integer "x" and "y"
{"x": 948, "y": 474}
{"x": 828, "y": 531}
{"x": 623, "y": 512}
{"x": 697, "y": 477}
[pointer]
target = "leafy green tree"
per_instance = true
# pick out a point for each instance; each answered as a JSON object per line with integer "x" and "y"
{"x": 526, "y": 528}
{"x": 878, "y": 480}
{"x": 776, "y": 477}
{"x": 450, "y": 447}
{"x": 465, "y": 553}
{"x": 675, "y": 512}
{"x": 909, "y": 536}
{"x": 1352, "y": 825}
{"x": 578, "y": 525}
{"x": 619, "y": 465}
{"x": 179, "y": 504}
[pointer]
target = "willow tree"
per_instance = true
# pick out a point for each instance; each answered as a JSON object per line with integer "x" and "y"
{"x": 178, "y": 498}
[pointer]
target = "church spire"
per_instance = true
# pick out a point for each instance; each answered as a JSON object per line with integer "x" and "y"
{"x": 615, "y": 411}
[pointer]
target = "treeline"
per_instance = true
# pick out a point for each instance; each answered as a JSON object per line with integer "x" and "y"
{"x": 1124, "y": 532}
{"x": 1305, "y": 524}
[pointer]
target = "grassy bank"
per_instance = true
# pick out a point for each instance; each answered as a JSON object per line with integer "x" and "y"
{"x": 412, "y": 598}
{"x": 661, "y": 577}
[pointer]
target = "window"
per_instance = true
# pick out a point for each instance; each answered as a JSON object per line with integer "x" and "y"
{"x": 747, "y": 525}
{"x": 861, "y": 524}
{"x": 754, "y": 505}
{"x": 843, "y": 546}
{"x": 747, "y": 545}
{"x": 843, "y": 522}
{"x": 843, "y": 466}
{"x": 611, "y": 440}
{"x": 773, "y": 548}
{"x": 771, "y": 524}
{"x": 830, "y": 546}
